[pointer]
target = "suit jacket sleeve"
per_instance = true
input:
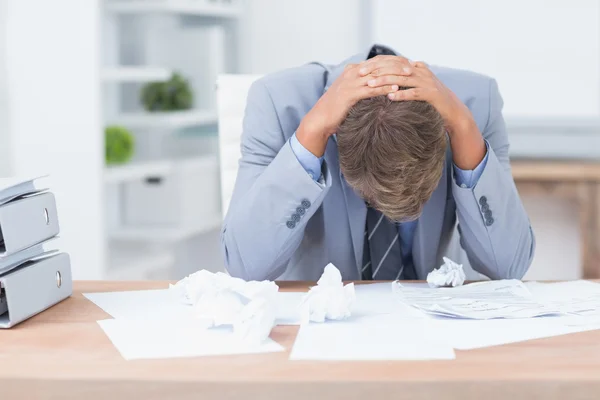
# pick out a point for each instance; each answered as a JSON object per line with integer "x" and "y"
{"x": 273, "y": 198}
{"x": 497, "y": 238}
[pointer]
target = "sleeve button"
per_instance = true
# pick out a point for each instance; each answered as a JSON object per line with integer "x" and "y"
{"x": 300, "y": 211}
{"x": 295, "y": 217}
{"x": 291, "y": 224}
{"x": 489, "y": 221}
{"x": 482, "y": 200}
{"x": 305, "y": 203}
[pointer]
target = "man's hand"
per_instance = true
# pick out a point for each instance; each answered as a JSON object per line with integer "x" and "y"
{"x": 423, "y": 85}
{"x": 468, "y": 147}
{"x": 328, "y": 113}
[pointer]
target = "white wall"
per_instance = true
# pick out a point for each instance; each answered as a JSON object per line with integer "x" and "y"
{"x": 51, "y": 67}
{"x": 544, "y": 53}
{"x": 282, "y": 34}
{"x": 5, "y": 154}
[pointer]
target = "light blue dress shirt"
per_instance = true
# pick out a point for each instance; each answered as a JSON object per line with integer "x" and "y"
{"x": 406, "y": 230}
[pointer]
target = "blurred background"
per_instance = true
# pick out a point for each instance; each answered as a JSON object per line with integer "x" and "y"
{"x": 117, "y": 100}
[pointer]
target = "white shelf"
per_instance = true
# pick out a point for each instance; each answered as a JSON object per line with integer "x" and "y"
{"x": 173, "y": 119}
{"x": 164, "y": 235}
{"x": 204, "y": 8}
{"x": 135, "y": 74}
{"x": 137, "y": 264}
{"x": 134, "y": 171}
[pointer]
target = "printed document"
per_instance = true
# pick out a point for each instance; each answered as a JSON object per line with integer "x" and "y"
{"x": 481, "y": 300}
{"x": 572, "y": 297}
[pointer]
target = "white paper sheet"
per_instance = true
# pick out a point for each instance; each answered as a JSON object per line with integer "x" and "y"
{"x": 573, "y": 297}
{"x": 381, "y": 337}
{"x": 482, "y": 300}
{"x": 288, "y": 308}
{"x": 380, "y": 298}
{"x": 465, "y": 334}
{"x": 145, "y": 339}
{"x": 142, "y": 304}
{"x": 165, "y": 304}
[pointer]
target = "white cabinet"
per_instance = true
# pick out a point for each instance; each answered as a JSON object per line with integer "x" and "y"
{"x": 185, "y": 196}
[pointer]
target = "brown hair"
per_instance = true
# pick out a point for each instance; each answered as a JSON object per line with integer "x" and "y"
{"x": 392, "y": 153}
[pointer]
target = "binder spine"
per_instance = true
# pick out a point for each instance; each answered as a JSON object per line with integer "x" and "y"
{"x": 35, "y": 287}
{"x": 27, "y": 221}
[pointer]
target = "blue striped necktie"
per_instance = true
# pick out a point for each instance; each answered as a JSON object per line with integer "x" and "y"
{"x": 382, "y": 253}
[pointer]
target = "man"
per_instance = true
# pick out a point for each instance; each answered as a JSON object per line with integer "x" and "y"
{"x": 368, "y": 165}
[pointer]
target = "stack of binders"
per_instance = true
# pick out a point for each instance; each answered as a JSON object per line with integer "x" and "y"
{"x": 34, "y": 274}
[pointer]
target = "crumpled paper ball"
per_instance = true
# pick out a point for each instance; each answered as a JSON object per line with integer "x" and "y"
{"x": 330, "y": 299}
{"x": 449, "y": 274}
{"x": 220, "y": 299}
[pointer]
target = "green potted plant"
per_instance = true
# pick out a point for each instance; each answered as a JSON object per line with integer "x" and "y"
{"x": 119, "y": 143}
{"x": 172, "y": 95}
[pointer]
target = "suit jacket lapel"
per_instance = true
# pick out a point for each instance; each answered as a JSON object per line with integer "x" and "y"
{"x": 357, "y": 216}
{"x": 355, "y": 206}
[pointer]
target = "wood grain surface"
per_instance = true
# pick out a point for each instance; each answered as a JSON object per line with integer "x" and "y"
{"x": 63, "y": 354}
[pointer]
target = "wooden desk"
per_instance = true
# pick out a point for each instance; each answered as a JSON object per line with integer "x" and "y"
{"x": 574, "y": 181}
{"x": 63, "y": 354}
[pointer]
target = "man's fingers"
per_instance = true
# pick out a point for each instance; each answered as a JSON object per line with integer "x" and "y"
{"x": 399, "y": 69}
{"x": 393, "y": 69}
{"x": 351, "y": 71}
{"x": 382, "y": 90}
{"x": 367, "y": 92}
{"x": 394, "y": 80}
{"x": 419, "y": 64}
{"x": 399, "y": 66}
{"x": 387, "y": 89}
{"x": 408, "y": 94}
{"x": 421, "y": 68}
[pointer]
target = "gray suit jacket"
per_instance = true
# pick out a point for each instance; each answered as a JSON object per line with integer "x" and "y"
{"x": 259, "y": 242}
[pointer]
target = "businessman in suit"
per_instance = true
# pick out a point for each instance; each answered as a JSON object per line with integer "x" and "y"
{"x": 369, "y": 165}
